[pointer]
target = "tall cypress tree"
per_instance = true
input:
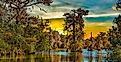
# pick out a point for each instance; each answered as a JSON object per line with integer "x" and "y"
{"x": 74, "y": 24}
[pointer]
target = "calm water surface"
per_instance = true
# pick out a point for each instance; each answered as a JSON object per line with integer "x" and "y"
{"x": 86, "y": 56}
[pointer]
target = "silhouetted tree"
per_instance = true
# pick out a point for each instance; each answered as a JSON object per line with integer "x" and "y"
{"x": 74, "y": 25}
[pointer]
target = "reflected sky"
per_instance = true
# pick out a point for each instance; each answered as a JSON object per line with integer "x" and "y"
{"x": 60, "y": 57}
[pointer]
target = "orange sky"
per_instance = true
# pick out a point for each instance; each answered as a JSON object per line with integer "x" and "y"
{"x": 95, "y": 27}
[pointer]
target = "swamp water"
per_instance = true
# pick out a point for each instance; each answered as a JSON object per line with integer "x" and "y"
{"x": 86, "y": 56}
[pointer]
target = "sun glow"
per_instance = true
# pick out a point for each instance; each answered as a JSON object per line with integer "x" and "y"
{"x": 95, "y": 27}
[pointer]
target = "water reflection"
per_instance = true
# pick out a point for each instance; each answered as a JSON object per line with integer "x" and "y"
{"x": 57, "y": 57}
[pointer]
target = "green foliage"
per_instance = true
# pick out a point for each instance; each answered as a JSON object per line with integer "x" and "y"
{"x": 20, "y": 32}
{"x": 27, "y": 38}
{"x": 18, "y": 40}
{"x": 24, "y": 37}
{"x": 116, "y": 55}
{"x": 4, "y": 46}
{"x": 115, "y": 39}
{"x": 44, "y": 43}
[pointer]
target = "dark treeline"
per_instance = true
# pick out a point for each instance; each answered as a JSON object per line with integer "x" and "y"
{"x": 22, "y": 34}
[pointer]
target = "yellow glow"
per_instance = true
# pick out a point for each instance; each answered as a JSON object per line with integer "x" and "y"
{"x": 95, "y": 27}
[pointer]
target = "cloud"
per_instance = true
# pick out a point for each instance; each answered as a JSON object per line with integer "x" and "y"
{"x": 60, "y": 15}
{"x": 103, "y": 15}
{"x": 53, "y": 15}
{"x": 59, "y": 7}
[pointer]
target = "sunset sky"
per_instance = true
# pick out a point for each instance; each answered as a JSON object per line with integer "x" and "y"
{"x": 99, "y": 19}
